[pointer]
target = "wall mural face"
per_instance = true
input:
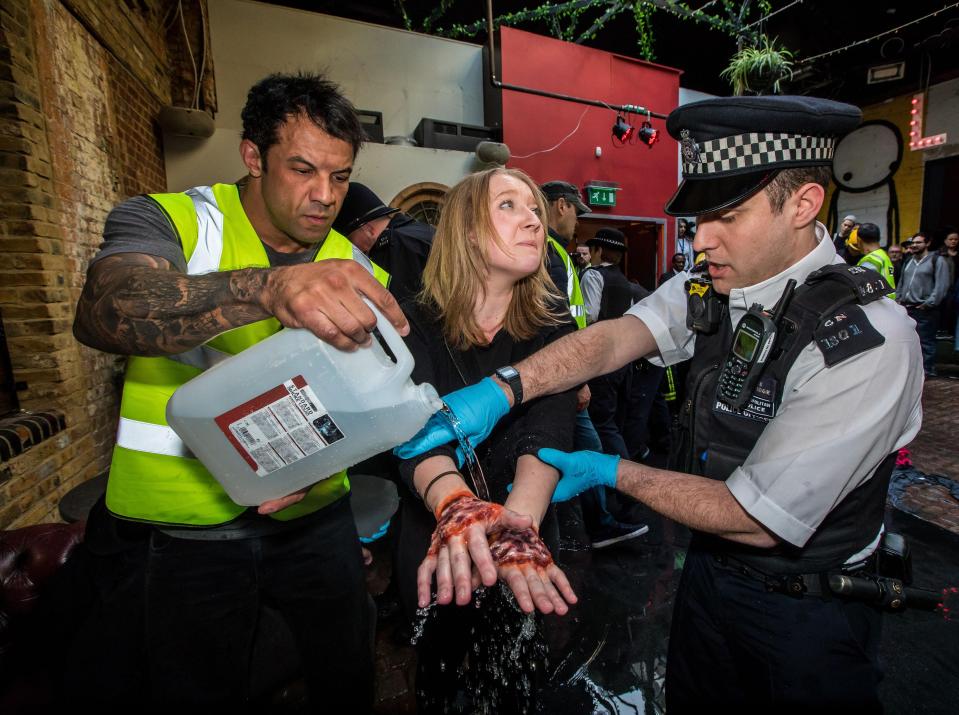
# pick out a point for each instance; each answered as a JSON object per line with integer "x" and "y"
{"x": 864, "y": 168}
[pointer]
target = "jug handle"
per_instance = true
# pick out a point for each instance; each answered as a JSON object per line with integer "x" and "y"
{"x": 404, "y": 360}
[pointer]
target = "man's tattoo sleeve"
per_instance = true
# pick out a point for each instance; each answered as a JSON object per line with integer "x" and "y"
{"x": 135, "y": 304}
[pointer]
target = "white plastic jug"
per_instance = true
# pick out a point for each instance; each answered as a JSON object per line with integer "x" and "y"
{"x": 292, "y": 410}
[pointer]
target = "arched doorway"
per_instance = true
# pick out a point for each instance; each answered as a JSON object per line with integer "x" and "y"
{"x": 422, "y": 201}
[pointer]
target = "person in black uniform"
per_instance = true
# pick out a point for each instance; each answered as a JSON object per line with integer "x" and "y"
{"x": 782, "y": 480}
{"x": 398, "y": 243}
{"x": 608, "y": 294}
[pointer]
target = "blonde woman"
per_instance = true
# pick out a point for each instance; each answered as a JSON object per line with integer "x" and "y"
{"x": 487, "y": 302}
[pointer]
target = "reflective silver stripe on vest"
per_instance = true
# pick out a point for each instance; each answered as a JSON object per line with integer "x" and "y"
{"x": 363, "y": 260}
{"x": 577, "y": 310}
{"x": 205, "y": 258}
{"x": 146, "y": 437}
{"x": 570, "y": 273}
{"x": 209, "y": 222}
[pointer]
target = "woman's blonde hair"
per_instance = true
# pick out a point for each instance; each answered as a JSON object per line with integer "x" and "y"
{"x": 459, "y": 260}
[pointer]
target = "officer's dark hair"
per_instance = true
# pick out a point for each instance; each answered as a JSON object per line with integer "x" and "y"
{"x": 678, "y": 253}
{"x": 279, "y": 97}
{"x": 610, "y": 255}
{"x": 788, "y": 180}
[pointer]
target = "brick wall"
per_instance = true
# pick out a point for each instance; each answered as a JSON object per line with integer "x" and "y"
{"x": 80, "y": 84}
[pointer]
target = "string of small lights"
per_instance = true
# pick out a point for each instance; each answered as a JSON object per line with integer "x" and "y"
{"x": 894, "y": 30}
{"x": 772, "y": 14}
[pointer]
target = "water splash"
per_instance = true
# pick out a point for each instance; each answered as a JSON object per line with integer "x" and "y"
{"x": 422, "y": 616}
{"x": 471, "y": 461}
{"x": 504, "y": 663}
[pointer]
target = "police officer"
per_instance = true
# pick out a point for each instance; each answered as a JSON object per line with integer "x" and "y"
{"x": 564, "y": 207}
{"x": 397, "y": 244}
{"x": 790, "y": 485}
{"x": 608, "y": 295}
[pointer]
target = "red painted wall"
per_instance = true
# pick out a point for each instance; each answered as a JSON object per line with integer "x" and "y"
{"x": 646, "y": 176}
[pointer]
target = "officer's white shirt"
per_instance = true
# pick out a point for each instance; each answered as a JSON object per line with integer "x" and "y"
{"x": 591, "y": 283}
{"x": 834, "y": 426}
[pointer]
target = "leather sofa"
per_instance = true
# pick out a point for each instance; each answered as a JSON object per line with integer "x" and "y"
{"x": 30, "y": 561}
{"x": 40, "y": 601}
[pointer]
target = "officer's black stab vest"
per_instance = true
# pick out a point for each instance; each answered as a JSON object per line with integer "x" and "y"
{"x": 713, "y": 440}
{"x": 617, "y": 294}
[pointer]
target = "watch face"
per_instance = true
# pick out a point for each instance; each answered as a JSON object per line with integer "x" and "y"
{"x": 507, "y": 373}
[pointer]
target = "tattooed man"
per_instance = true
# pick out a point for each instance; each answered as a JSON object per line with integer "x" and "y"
{"x": 182, "y": 280}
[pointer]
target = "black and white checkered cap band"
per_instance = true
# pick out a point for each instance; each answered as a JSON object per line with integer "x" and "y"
{"x": 755, "y": 150}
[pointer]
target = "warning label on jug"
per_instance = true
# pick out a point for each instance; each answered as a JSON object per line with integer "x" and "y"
{"x": 279, "y": 427}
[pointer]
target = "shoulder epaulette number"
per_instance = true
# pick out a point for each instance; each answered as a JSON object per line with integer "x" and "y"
{"x": 844, "y": 333}
{"x": 866, "y": 284}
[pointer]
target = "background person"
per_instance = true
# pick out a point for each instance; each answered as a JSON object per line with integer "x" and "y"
{"x": 487, "y": 302}
{"x": 895, "y": 257}
{"x": 925, "y": 283}
{"x": 839, "y": 238}
{"x": 677, "y": 265}
{"x": 393, "y": 240}
{"x": 950, "y": 254}
{"x": 564, "y": 207}
{"x": 684, "y": 240}
{"x": 582, "y": 260}
{"x": 608, "y": 295}
{"x": 784, "y": 489}
{"x": 180, "y": 278}
{"x": 875, "y": 258}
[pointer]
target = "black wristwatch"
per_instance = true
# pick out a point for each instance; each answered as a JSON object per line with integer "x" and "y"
{"x": 510, "y": 376}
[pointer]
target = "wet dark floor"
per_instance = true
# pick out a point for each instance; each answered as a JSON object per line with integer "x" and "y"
{"x": 609, "y": 654}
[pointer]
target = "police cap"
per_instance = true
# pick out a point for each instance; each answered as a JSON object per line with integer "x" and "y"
{"x": 553, "y": 190}
{"x": 734, "y": 146}
{"x": 610, "y": 238}
{"x": 360, "y": 206}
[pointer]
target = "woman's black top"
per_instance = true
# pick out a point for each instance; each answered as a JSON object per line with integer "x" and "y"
{"x": 545, "y": 422}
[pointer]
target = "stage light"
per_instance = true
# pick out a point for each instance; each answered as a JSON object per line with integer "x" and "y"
{"x": 648, "y": 135}
{"x": 621, "y": 130}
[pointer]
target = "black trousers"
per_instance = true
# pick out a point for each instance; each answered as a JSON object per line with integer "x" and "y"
{"x": 191, "y": 610}
{"x": 734, "y": 644}
{"x": 607, "y": 408}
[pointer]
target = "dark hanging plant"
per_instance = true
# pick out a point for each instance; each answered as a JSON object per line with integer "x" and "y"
{"x": 760, "y": 69}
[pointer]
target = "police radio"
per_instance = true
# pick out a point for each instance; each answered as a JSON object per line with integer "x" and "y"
{"x": 753, "y": 344}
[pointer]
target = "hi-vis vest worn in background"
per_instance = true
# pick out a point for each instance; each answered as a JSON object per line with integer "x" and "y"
{"x": 880, "y": 262}
{"x": 577, "y": 305}
{"x": 153, "y": 476}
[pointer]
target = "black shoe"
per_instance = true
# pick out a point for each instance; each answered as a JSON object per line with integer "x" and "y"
{"x": 609, "y": 535}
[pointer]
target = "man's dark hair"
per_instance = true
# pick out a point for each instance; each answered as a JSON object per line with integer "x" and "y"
{"x": 679, "y": 253}
{"x": 279, "y": 97}
{"x": 869, "y": 232}
{"x": 788, "y": 180}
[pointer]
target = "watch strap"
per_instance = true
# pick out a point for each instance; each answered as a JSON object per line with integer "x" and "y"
{"x": 510, "y": 376}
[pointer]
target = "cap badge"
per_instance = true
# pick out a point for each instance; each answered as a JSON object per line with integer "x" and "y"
{"x": 690, "y": 148}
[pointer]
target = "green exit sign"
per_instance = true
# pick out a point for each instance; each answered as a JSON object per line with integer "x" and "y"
{"x": 601, "y": 195}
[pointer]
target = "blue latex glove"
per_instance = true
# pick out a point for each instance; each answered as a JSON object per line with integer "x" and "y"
{"x": 580, "y": 471}
{"x": 478, "y": 407}
{"x": 378, "y": 534}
